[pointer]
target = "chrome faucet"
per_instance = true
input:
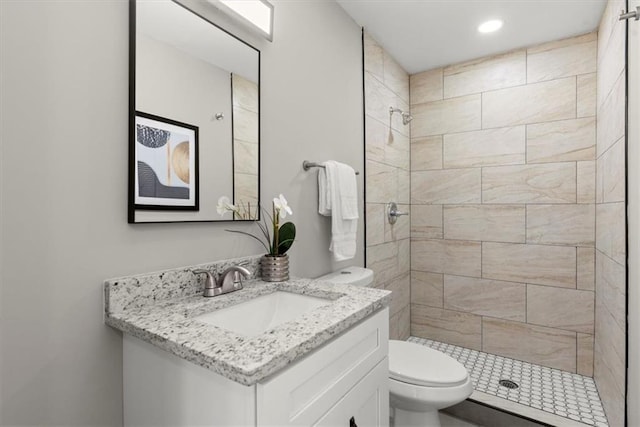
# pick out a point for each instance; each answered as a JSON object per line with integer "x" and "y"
{"x": 230, "y": 280}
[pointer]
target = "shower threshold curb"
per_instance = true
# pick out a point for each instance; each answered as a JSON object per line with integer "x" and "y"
{"x": 523, "y": 411}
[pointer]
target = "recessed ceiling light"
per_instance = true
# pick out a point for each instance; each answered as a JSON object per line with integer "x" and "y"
{"x": 490, "y": 26}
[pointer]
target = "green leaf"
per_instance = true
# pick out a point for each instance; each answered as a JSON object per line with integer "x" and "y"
{"x": 287, "y": 234}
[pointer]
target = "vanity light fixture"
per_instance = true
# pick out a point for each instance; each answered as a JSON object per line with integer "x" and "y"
{"x": 258, "y": 14}
{"x": 490, "y": 26}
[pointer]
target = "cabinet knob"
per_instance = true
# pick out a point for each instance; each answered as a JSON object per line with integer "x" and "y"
{"x": 352, "y": 422}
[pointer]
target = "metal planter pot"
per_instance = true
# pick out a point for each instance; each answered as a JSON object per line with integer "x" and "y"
{"x": 274, "y": 268}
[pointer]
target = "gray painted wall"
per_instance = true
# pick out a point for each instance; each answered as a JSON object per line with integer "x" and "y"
{"x": 63, "y": 186}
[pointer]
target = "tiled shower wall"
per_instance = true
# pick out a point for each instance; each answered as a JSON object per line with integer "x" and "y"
{"x": 387, "y": 179}
{"x": 610, "y": 330}
{"x": 245, "y": 96}
{"x": 503, "y": 154}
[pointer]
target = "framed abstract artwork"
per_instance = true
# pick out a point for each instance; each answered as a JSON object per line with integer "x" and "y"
{"x": 165, "y": 164}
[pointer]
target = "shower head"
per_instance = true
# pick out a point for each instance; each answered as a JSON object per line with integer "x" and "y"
{"x": 406, "y": 117}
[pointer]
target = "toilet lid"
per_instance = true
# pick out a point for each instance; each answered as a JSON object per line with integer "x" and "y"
{"x": 420, "y": 365}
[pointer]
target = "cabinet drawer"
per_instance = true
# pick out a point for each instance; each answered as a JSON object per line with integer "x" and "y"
{"x": 308, "y": 389}
{"x": 365, "y": 405}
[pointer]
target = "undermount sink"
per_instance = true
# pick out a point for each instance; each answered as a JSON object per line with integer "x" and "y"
{"x": 260, "y": 314}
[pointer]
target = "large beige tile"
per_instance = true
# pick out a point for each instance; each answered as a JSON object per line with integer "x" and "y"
{"x": 373, "y": 56}
{"x": 394, "y": 327}
{"x": 245, "y": 125}
{"x": 452, "y": 327}
{"x": 561, "y": 224}
{"x": 447, "y": 256}
{"x": 447, "y": 116}
{"x": 503, "y": 146}
{"x": 610, "y": 231}
{"x": 608, "y": 24}
{"x": 542, "y": 183}
{"x": 245, "y": 93}
{"x": 446, "y": 186}
{"x": 611, "y": 395}
{"x": 377, "y": 136}
{"x": 534, "y": 103}
{"x": 397, "y": 151}
{"x": 613, "y": 168}
{"x": 505, "y": 300}
{"x": 427, "y": 288}
{"x": 426, "y": 153}
{"x": 586, "y": 87}
{"x": 562, "y": 58}
{"x": 481, "y": 75}
{"x": 426, "y": 222}
{"x": 404, "y": 186}
{"x": 376, "y": 216}
{"x": 611, "y": 288}
{"x": 384, "y": 260}
{"x": 585, "y": 355}
{"x": 611, "y": 62}
{"x": 426, "y": 86}
{"x": 611, "y": 117}
{"x": 545, "y": 346}
{"x": 539, "y": 264}
{"x": 562, "y": 141}
{"x": 600, "y": 180}
{"x": 245, "y": 188}
{"x": 586, "y": 182}
{"x": 400, "y": 325}
{"x": 404, "y": 256}
{"x": 609, "y": 356}
{"x": 498, "y": 223}
{"x": 401, "y": 229}
{"x": 610, "y": 342}
{"x": 395, "y": 77}
{"x": 405, "y": 323}
{"x": 560, "y": 308}
{"x": 382, "y": 182}
{"x": 586, "y": 269}
{"x": 378, "y": 100}
{"x": 245, "y": 157}
{"x": 400, "y": 288}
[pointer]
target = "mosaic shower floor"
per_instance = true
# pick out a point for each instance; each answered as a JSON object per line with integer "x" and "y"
{"x": 551, "y": 390}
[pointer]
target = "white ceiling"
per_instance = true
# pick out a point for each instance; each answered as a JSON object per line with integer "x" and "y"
{"x": 425, "y": 34}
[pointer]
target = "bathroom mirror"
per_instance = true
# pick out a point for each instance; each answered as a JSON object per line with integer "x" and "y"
{"x": 194, "y": 117}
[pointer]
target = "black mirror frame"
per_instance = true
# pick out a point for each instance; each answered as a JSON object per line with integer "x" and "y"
{"x": 131, "y": 206}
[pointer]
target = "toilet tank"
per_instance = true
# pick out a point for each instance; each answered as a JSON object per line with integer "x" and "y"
{"x": 356, "y": 276}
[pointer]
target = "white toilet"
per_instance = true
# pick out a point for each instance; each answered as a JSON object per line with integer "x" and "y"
{"x": 421, "y": 380}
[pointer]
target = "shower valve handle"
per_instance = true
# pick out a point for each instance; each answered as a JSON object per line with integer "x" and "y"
{"x": 393, "y": 213}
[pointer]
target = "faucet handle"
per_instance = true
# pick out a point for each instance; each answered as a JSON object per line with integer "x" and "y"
{"x": 211, "y": 286}
{"x": 231, "y": 278}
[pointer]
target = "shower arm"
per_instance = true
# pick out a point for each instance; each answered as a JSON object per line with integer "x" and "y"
{"x": 406, "y": 117}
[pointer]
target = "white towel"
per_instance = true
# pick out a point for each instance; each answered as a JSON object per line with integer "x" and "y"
{"x": 339, "y": 198}
{"x": 324, "y": 198}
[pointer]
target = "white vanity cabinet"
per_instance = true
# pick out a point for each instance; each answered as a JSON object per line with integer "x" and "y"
{"x": 342, "y": 383}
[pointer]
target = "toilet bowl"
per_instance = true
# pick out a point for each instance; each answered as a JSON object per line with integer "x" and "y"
{"x": 421, "y": 380}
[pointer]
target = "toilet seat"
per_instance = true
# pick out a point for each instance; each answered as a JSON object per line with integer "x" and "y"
{"x": 418, "y": 365}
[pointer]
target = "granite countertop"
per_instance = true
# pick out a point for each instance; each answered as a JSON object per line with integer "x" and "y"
{"x": 168, "y": 323}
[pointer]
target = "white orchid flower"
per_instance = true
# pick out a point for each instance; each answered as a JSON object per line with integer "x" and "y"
{"x": 281, "y": 205}
{"x": 225, "y": 205}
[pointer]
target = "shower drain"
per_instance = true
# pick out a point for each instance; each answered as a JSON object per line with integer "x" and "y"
{"x": 508, "y": 384}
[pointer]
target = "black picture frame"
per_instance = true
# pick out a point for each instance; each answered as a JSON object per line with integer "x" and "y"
{"x": 168, "y": 148}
